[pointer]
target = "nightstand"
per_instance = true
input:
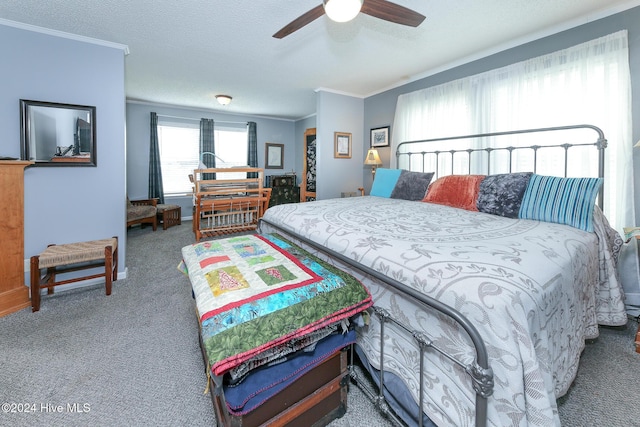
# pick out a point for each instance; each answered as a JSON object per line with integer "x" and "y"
{"x": 630, "y": 233}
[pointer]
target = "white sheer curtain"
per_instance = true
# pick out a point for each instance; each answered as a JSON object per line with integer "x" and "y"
{"x": 585, "y": 84}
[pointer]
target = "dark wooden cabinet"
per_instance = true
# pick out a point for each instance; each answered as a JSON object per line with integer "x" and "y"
{"x": 284, "y": 189}
{"x": 282, "y": 195}
{"x": 14, "y": 295}
{"x": 282, "y": 181}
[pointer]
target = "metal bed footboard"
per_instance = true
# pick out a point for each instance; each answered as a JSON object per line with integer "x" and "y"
{"x": 479, "y": 370}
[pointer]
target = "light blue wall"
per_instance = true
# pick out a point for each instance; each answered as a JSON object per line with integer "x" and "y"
{"x": 67, "y": 204}
{"x": 338, "y": 113}
{"x": 138, "y": 135}
{"x": 379, "y": 110}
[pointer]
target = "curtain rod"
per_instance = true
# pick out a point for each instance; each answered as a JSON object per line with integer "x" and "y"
{"x": 197, "y": 120}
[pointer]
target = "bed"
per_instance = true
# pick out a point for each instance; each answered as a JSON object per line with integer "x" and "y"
{"x": 483, "y": 314}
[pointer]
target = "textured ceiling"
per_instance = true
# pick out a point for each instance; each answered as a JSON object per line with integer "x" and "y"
{"x": 184, "y": 53}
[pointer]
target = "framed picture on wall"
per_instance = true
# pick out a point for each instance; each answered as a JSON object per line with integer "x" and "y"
{"x": 274, "y": 156}
{"x": 342, "y": 145}
{"x": 380, "y": 137}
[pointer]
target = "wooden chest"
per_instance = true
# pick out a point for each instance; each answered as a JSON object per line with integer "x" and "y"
{"x": 315, "y": 399}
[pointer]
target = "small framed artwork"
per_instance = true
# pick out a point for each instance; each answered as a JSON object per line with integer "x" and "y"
{"x": 274, "y": 156}
{"x": 342, "y": 145}
{"x": 380, "y": 137}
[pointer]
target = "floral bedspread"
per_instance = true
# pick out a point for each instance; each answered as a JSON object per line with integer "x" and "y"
{"x": 254, "y": 293}
{"x": 534, "y": 290}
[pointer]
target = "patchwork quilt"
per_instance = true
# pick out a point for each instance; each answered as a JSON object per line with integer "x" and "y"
{"x": 256, "y": 292}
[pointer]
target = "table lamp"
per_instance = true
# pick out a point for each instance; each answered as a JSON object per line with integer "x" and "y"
{"x": 373, "y": 160}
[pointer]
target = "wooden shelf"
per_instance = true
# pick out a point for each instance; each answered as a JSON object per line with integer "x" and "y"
{"x": 71, "y": 159}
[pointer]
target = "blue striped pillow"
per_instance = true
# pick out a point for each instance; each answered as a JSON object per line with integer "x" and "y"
{"x": 567, "y": 201}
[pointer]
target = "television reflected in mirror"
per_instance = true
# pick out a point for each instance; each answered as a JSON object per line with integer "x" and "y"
{"x": 56, "y": 134}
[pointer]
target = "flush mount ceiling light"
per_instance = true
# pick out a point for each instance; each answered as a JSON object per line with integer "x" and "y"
{"x": 224, "y": 99}
{"x": 342, "y": 10}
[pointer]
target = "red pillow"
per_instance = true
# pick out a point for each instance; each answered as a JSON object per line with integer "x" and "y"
{"x": 458, "y": 191}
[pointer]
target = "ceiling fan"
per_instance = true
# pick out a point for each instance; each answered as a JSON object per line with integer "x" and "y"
{"x": 381, "y": 9}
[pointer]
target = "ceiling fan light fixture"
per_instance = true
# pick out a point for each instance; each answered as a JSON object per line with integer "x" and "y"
{"x": 342, "y": 10}
{"x": 224, "y": 99}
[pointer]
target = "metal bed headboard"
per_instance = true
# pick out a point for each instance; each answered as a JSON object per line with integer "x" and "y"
{"x": 600, "y": 144}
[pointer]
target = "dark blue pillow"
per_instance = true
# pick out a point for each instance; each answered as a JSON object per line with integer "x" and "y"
{"x": 411, "y": 185}
{"x": 502, "y": 194}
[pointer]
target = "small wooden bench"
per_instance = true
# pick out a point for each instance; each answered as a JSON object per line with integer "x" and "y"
{"x": 57, "y": 259}
{"x": 169, "y": 215}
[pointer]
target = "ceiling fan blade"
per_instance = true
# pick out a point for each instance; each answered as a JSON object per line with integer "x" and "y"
{"x": 392, "y": 12}
{"x": 300, "y": 22}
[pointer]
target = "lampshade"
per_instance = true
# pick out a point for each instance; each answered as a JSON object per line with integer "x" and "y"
{"x": 372, "y": 159}
{"x": 637, "y": 144}
{"x": 223, "y": 99}
{"x": 342, "y": 10}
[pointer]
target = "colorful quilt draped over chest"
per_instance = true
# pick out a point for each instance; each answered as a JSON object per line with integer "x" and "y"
{"x": 255, "y": 292}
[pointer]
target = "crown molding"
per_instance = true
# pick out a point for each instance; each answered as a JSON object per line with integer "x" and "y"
{"x": 338, "y": 92}
{"x": 56, "y": 33}
{"x": 549, "y": 31}
{"x": 206, "y": 110}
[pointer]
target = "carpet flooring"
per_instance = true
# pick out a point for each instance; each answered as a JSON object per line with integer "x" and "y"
{"x": 133, "y": 358}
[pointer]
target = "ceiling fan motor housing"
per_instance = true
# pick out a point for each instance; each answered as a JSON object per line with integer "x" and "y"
{"x": 381, "y": 9}
{"x": 342, "y": 10}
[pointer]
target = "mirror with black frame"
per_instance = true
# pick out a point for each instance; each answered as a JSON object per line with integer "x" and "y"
{"x": 55, "y": 134}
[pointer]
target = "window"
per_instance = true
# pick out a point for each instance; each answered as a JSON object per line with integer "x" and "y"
{"x": 231, "y": 148}
{"x": 586, "y": 83}
{"x": 179, "y": 144}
